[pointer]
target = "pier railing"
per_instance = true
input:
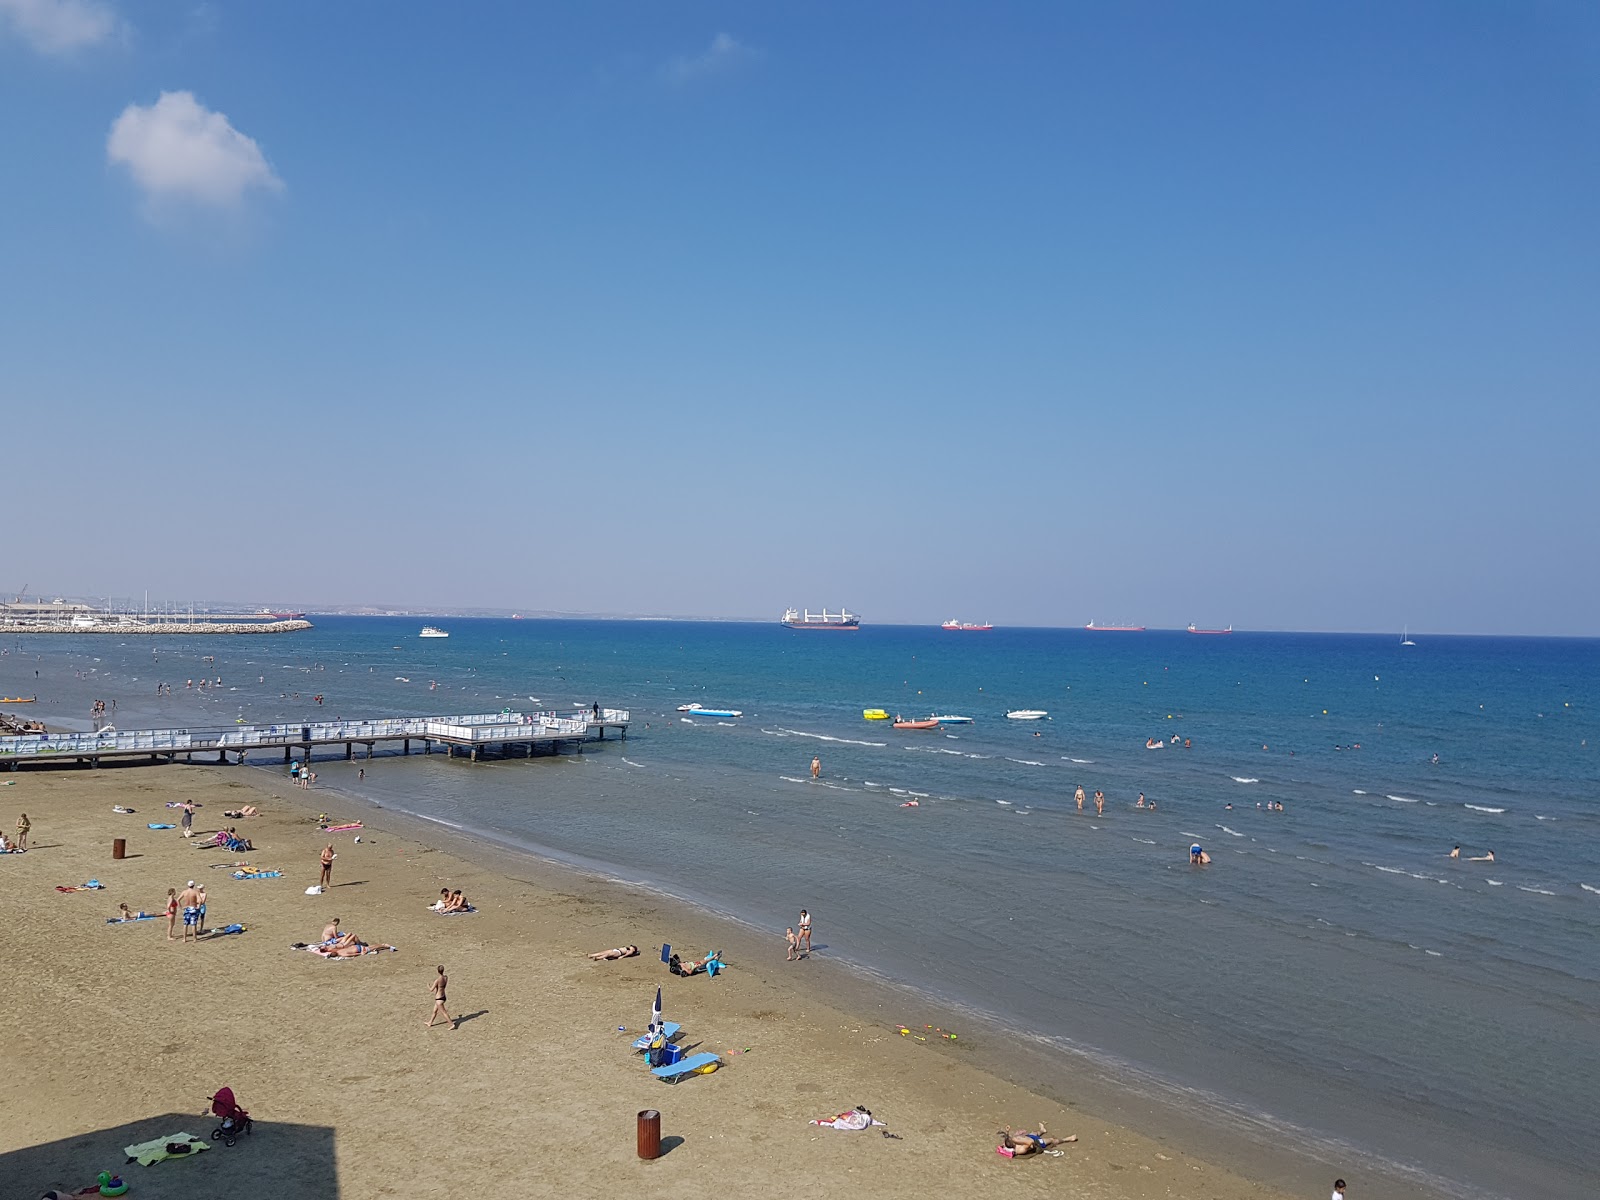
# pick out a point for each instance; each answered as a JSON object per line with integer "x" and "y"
{"x": 476, "y": 728}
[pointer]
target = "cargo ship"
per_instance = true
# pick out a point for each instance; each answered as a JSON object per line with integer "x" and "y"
{"x": 843, "y": 619}
{"x": 1229, "y": 629}
{"x": 1094, "y": 628}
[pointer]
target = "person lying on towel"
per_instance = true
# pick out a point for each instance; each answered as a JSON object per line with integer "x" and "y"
{"x": 618, "y": 952}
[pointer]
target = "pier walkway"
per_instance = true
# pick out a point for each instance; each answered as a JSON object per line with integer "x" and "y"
{"x": 502, "y": 733}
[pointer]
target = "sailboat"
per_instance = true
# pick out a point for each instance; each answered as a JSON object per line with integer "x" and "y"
{"x": 1405, "y": 636}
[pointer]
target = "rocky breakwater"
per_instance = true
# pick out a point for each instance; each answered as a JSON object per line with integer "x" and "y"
{"x": 140, "y": 627}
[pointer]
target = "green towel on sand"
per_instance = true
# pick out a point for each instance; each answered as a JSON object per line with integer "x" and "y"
{"x": 155, "y": 1149}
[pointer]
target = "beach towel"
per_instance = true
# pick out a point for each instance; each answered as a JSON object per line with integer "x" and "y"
{"x": 471, "y": 908}
{"x": 153, "y": 1151}
{"x": 129, "y": 920}
{"x": 94, "y": 885}
{"x": 225, "y": 931}
{"x": 856, "y": 1118}
{"x": 341, "y": 828}
{"x": 158, "y": 825}
{"x": 257, "y": 874}
{"x": 321, "y": 951}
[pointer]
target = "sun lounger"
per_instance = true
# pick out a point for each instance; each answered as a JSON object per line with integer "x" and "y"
{"x": 699, "y": 1064}
{"x": 668, "y": 1028}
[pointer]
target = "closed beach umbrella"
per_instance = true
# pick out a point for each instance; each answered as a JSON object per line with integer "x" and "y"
{"x": 655, "y": 1013}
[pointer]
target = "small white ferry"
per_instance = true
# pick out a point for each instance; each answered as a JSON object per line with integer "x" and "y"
{"x": 430, "y": 631}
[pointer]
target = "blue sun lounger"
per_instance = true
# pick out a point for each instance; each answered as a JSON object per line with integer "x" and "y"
{"x": 698, "y": 1064}
{"x": 669, "y": 1028}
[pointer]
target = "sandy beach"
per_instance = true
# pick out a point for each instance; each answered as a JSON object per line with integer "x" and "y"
{"x": 119, "y": 1035}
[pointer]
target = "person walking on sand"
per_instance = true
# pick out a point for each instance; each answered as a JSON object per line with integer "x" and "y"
{"x": 816, "y": 767}
{"x": 23, "y": 826}
{"x": 327, "y": 866}
{"x": 805, "y": 931}
{"x": 794, "y": 944}
{"x": 438, "y": 989}
{"x": 172, "y": 912}
{"x": 187, "y": 820}
{"x": 1080, "y": 797}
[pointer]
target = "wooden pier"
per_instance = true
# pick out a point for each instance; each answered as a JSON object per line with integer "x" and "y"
{"x": 501, "y": 734}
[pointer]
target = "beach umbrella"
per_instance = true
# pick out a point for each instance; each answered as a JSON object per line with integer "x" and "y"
{"x": 656, "y": 1023}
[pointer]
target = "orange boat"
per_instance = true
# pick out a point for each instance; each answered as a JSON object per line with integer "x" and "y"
{"x": 916, "y": 724}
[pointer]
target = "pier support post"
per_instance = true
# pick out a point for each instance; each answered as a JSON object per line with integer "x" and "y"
{"x": 407, "y": 744}
{"x": 286, "y": 755}
{"x": 349, "y": 751}
{"x": 222, "y": 756}
{"x": 474, "y": 754}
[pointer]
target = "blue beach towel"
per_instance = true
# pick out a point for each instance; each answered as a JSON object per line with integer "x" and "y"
{"x": 155, "y": 825}
{"x": 129, "y": 920}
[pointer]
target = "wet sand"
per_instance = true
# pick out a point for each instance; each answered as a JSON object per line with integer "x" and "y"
{"x": 115, "y": 1030}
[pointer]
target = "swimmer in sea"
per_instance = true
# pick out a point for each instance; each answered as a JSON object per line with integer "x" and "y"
{"x": 1080, "y": 797}
{"x": 1140, "y": 804}
{"x": 1198, "y": 856}
{"x": 1456, "y": 853}
{"x": 1489, "y": 857}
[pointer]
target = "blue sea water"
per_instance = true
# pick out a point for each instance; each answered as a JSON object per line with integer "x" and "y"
{"x": 1332, "y": 975}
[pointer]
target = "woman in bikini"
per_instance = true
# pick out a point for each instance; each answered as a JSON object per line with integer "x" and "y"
{"x": 172, "y": 913}
{"x": 619, "y": 952}
{"x": 438, "y": 989}
{"x": 1020, "y": 1142}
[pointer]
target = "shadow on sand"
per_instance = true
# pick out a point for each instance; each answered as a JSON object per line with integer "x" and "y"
{"x": 291, "y": 1162}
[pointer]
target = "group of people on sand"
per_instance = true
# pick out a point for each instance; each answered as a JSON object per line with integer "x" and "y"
{"x": 335, "y": 944}
{"x": 1486, "y": 857}
{"x": 449, "y": 902}
{"x": 192, "y": 902}
{"x": 20, "y": 845}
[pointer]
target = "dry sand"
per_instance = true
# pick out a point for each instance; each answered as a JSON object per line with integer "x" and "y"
{"x": 116, "y": 1035}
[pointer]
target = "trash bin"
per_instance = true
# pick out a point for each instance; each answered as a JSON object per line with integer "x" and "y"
{"x": 119, "y": 847}
{"x": 649, "y": 1134}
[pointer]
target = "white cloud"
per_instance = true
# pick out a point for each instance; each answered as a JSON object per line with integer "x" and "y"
{"x": 724, "y": 52}
{"x": 178, "y": 149}
{"x": 60, "y": 26}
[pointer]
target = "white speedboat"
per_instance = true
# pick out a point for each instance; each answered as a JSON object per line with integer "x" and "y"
{"x": 430, "y": 631}
{"x": 947, "y": 720}
{"x": 1027, "y": 714}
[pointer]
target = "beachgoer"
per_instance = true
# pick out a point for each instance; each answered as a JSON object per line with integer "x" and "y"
{"x": 327, "y": 866}
{"x": 1456, "y": 853}
{"x": 617, "y": 952}
{"x": 1338, "y": 1189}
{"x": 1099, "y": 803}
{"x": 189, "y": 901}
{"x": 1198, "y": 856}
{"x": 805, "y": 929}
{"x": 1020, "y": 1142}
{"x": 361, "y": 774}
{"x": 125, "y": 914}
{"x": 816, "y": 767}
{"x": 1140, "y": 804}
{"x": 443, "y": 902}
{"x": 1489, "y": 857}
{"x": 23, "y": 825}
{"x": 172, "y": 912}
{"x": 794, "y": 944}
{"x": 456, "y": 903}
{"x": 200, "y": 910}
{"x": 186, "y": 822}
{"x": 438, "y": 989}
{"x": 1080, "y": 797}
{"x": 330, "y": 931}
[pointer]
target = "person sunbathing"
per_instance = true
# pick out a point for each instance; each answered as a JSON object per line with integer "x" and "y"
{"x": 443, "y": 902}
{"x": 618, "y": 952}
{"x": 330, "y": 931}
{"x": 125, "y": 914}
{"x": 1020, "y": 1142}
{"x": 351, "y": 949}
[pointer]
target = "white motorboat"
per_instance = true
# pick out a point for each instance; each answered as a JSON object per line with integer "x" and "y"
{"x": 948, "y": 720}
{"x": 430, "y": 631}
{"x": 702, "y": 711}
{"x": 1026, "y": 714}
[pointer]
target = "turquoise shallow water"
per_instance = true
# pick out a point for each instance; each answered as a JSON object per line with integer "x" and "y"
{"x": 1333, "y": 974}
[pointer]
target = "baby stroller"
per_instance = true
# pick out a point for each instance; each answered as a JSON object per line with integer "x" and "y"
{"x": 234, "y": 1118}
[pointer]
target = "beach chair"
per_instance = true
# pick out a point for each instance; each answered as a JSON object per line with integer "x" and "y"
{"x": 699, "y": 1064}
{"x": 669, "y": 1030}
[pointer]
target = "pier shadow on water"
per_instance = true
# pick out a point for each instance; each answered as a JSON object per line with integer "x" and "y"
{"x": 277, "y": 1161}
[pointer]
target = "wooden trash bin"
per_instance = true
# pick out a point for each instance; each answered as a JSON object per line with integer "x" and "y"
{"x": 119, "y": 847}
{"x": 649, "y": 1134}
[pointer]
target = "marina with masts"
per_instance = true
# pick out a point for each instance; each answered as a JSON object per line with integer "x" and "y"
{"x": 21, "y": 615}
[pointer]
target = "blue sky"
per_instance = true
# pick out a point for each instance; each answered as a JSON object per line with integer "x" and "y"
{"x": 1275, "y": 314}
